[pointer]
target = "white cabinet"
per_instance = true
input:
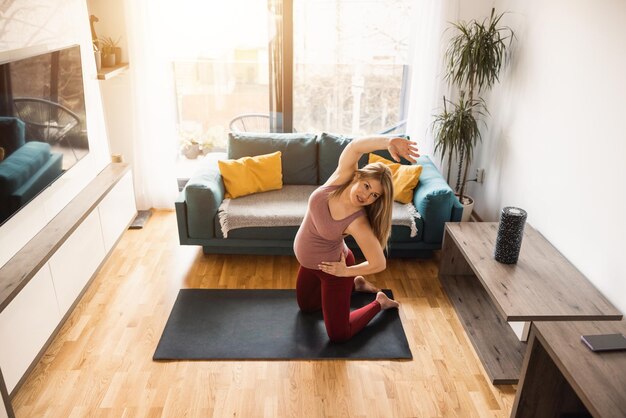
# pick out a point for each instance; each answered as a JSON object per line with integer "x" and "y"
{"x": 74, "y": 263}
{"x": 33, "y": 313}
{"x": 116, "y": 209}
{"x": 25, "y": 326}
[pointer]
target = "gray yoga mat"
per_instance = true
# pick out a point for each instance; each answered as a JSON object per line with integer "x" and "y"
{"x": 227, "y": 324}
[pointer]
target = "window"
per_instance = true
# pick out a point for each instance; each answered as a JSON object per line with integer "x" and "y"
{"x": 350, "y": 72}
{"x": 317, "y": 65}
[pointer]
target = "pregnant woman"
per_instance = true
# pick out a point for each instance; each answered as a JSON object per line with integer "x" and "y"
{"x": 356, "y": 202}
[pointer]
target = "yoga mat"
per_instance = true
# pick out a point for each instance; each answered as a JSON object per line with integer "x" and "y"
{"x": 228, "y": 324}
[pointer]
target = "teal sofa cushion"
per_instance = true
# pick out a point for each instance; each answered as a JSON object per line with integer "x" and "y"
{"x": 299, "y": 153}
{"x": 329, "y": 148}
{"x": 21, "y": 165}
{"x": 204, "y": 193}
{"x": 435, "y": 201}
{"x": 12, "y": 134}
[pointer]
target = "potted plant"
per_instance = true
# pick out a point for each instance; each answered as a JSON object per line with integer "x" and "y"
{"x": 456, "y": 135}
{"x": 111, "y": 52}
{"x": 474, "y": 58}
{"x": 190, "y": 147}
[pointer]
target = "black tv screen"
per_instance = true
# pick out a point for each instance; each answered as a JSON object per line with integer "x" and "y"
{"x": 43, "y": 129}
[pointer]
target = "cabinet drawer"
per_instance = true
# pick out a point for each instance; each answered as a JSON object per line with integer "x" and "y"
{"x": 26, "y": 324}
{"x": 73, "y": 264}
{"x": 116, "y": 210}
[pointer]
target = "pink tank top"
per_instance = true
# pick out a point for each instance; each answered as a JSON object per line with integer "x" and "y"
{"x": 320, "y": 237}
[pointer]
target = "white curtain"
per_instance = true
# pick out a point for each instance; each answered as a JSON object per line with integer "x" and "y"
{"x": 428, "y": 87}
{"x": 154, "y": 104}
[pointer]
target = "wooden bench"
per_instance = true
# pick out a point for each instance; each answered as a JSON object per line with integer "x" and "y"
{"x": 542, "y": 286}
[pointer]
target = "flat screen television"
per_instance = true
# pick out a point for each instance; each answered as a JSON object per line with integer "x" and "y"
{"x": 43, "y": 129}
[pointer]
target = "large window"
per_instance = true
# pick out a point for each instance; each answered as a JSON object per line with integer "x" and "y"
{"x": 343, "y": 63}
{"x": 350, "y": 65}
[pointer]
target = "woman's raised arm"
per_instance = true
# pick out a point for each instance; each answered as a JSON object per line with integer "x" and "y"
{"x": 349, "y": 158}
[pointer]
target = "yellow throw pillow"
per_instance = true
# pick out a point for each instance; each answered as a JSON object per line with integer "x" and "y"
{"x": 405, "y": 178}
{"x": 249, "y": 175}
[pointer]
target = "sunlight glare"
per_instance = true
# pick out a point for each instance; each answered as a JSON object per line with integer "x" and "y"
{"x": 210, "y": 29}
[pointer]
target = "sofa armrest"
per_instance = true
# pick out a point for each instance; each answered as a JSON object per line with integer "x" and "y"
{"x": 203, "y": 195}
{"x": 435, "y": 201}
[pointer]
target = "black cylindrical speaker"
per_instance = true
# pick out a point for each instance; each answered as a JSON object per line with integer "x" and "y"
{"x": 510, "y": 234}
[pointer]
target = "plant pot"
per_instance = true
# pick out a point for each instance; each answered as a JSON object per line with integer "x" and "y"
{"x": 468, "y": 207}
{"x": 118, "y": 55}
{"x": 191, "y": 152}
{"x": 108, "y": 60}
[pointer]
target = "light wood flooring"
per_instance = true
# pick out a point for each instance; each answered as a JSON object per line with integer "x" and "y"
{"x": 100, "y": 364}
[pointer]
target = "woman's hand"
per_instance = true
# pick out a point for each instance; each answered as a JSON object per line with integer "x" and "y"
{"x": 336, "y": 268}
{"x": 400, "y": 147}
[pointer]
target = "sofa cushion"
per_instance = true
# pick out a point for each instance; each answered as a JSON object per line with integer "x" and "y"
{"x": 405, "y": 177}
{"x": 434, "y": 200}
{"x": 248, "y": 175}
{"x": 12, "y": 134}
{"x": 20, "y": 166}
{"x": 330, "y": 147}
{"x": 299, "y": 153}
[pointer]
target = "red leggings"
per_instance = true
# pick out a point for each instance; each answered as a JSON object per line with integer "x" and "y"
{"x": 318, "y": 290}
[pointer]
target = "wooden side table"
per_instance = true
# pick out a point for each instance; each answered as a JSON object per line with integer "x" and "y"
{"x": 561, "y": 376}
{"x": 542, "y": 286}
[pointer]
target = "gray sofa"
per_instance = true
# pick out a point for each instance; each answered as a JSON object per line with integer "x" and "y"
{"x": 307, "y": 160}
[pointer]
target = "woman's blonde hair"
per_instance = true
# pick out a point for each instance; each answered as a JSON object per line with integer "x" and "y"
{"x": 379, "y": 212}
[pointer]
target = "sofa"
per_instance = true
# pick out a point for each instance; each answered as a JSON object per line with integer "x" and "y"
{"x": 308, "y": 160}
{"x": 28, "y": 167}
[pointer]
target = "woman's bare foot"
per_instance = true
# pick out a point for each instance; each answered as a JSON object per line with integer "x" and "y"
{"x": 385, "y": 302}
{"x": 362, "y": 285}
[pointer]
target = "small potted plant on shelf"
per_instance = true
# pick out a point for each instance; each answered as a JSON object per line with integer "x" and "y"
{"x": 474, "y": 58}
{"x": 194, "y": 143}
{"x": 111, "y": 52}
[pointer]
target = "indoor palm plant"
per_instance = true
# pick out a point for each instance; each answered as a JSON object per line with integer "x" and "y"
{"x": 474, "y": 58}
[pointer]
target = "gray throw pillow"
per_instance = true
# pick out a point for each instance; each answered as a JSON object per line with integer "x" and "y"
{"x": 299, "y": 152}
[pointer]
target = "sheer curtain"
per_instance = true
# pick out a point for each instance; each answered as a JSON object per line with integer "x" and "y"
{"x": 154, "y": 104}
{"x": 428, "y": 87}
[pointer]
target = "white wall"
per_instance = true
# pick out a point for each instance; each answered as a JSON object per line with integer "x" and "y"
{"x": 555, "y": 143}
{"x": 117, "y": 99}
{"x": 28, "y": 26}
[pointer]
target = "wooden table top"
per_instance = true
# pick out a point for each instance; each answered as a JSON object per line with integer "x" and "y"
{"x": 599, "y": 379}
{"x": 543, "y": 285}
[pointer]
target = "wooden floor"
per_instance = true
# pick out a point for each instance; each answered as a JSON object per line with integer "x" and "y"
{"x": 100, "y": 364}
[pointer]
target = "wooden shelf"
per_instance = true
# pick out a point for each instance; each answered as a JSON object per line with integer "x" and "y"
{"x": 499, "y": 349}
{"x": 542, "y": 286}
{"x": 106, "y": 73}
